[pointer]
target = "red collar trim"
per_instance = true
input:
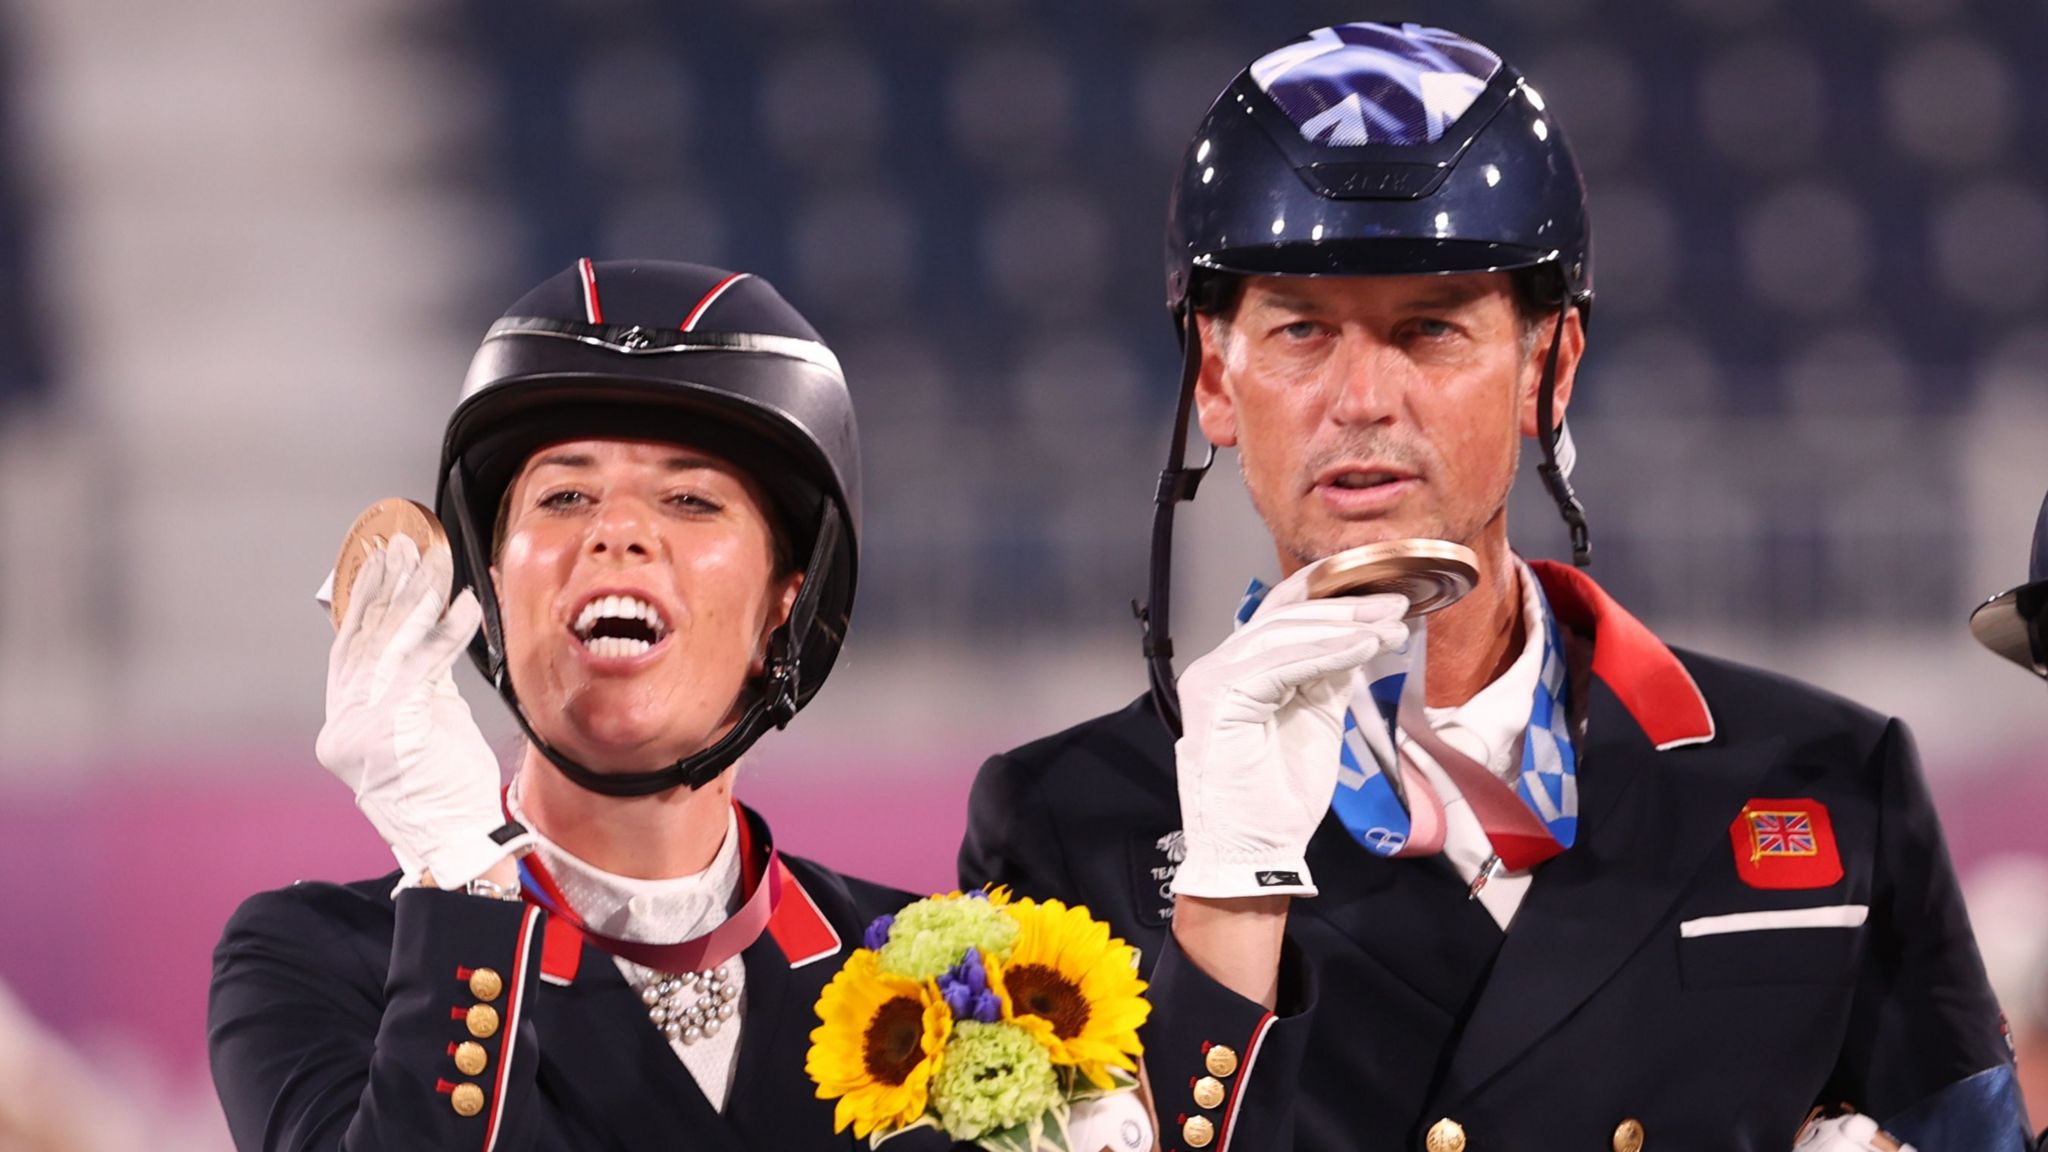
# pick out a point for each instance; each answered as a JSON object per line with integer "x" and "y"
{"x": 1644, "y": 674}
{"x": 799, "y": 926}
{"x": 795, "y": 921}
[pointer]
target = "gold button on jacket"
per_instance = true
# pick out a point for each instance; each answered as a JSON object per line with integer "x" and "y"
{"x": 467, "y": 1099}
{"x": 1628, "y": 1136}
{"x": 470, "y": 1058}
{"x": 485, "y": 984}
{"x": 483, "y": 1021}
{"x": 1198, "y": 1131}
{"x": 1221, "y": 1061}
{"x": 1446, "y": 1135}
{"x": 1208, "y": 1092}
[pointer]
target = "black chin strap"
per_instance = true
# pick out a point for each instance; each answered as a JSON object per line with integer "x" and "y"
{"x": 1557, "y": 476}
{"x": 771, "y": 706}
{"x": 1177, "y": 482}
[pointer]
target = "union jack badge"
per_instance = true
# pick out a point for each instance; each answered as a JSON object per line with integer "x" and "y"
{"x": 1782, "y": 844}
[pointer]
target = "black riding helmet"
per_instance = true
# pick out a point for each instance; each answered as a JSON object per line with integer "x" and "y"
{"x": 676, "y": 352}
{"x": 2014, "y": 623}
{"x": 1363, "y": 150}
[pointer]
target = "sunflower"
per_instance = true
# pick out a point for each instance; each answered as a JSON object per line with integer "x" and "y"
{"x": 1074, "y": 987}
{"x": 878, "y": 1045}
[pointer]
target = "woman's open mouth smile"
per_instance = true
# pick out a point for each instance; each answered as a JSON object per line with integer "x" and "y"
{"x": 619, "y": 631}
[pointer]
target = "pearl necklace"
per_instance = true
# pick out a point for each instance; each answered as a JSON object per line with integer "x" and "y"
{"x": 690, "y": 1006}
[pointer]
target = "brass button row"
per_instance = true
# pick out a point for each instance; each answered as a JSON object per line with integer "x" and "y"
{"x": 1221, "y": 1061}
{"x": 470, "y": 1057}
{"x": 1447, "y": 1135}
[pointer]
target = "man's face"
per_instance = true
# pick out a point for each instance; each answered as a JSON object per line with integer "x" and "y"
{"x": 637, "y": 585}
{"x": 1372, "y": 408}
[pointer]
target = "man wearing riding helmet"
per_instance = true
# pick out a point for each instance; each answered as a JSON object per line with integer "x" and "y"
{"x": 1571, "y": 888}
{"x": 651, "y": 485}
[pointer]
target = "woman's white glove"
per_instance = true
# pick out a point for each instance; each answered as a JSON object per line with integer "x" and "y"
{"x": 1113, "y": 1123}
{"x": 398, "y": 732}
{"x": 1262, "y": 718}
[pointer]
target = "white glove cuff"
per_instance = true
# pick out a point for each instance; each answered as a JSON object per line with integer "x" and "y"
{"x": 1214, "y": 879}
{"x": 465, "y": 857}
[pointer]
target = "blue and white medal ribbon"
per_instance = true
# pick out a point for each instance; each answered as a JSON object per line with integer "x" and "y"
{"x": 1526, "y": 824}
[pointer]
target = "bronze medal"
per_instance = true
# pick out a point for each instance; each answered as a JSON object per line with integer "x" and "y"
{"x": 1432, "y": 574}
{"x": 381, "y": 522}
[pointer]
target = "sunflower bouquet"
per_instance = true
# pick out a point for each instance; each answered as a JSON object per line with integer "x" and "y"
{"x": 982, "y": 1015}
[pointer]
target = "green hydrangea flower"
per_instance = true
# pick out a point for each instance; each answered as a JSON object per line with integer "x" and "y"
{"x": 933, "y": 934}
{"x": 992, "y": 1077}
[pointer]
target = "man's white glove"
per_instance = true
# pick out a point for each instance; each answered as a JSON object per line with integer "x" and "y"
{"x": 1851, "y": 1133}
{"x": 398, "y": 732}
{"x": 1262, "y": 719}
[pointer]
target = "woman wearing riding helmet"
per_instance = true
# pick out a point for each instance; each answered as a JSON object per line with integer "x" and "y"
{"x": 651, "y": 485}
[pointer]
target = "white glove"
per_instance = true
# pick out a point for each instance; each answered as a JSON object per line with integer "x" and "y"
{"x": 1262, "y": 719}
{"x": 398, "y": 732}
{"x": 1851, "y": 1133}
{"x": 1114, "y": 1123}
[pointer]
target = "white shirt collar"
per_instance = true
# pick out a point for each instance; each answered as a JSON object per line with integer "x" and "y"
{"x": 1497, "y": 715}
{"x": 676, "y": 908}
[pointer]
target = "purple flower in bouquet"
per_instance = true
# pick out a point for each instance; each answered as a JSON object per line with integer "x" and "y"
{"x": 878, "y": 932}
{"x": 965, "y": 988}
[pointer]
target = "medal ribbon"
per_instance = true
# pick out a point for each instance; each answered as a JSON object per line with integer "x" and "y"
{"x": 1526, "y": 823}
{"x": 761, "y": 875}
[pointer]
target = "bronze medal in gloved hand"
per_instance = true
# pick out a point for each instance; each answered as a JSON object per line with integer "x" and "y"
{"x": 379, "y": 524}
{"x": 1432, "y": 574}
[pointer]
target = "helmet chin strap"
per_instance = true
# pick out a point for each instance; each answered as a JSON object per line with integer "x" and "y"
{"x": 1177, "y": 482}
{"x": 772, "y": 706}
{"x": 1559, "y": 454}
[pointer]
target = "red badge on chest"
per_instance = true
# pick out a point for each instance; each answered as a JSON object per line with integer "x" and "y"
{"x": 1785, "y": 844}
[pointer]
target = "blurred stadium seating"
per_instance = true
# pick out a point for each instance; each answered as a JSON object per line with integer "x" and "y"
{"x": 1817, "y": 232}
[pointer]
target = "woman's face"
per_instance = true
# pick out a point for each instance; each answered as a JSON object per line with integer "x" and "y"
{"x": 637, "y": 585}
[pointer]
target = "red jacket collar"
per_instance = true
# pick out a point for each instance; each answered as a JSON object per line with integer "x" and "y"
{"x": 1644, "y": 674}
{"x": 799, "y": 926}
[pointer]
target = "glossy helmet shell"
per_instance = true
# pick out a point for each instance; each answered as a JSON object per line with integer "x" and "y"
{"x": 2014, "y": 623}
{"x": 1374, "y": 149}
{"x": 658, "y": 350}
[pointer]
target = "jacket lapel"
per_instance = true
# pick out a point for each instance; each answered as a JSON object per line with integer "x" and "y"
{"x": 611, "y": 1070}
{"x": 773, "y": 1102}
{"x": 1411, "y": 917}
{"x": 1648, "y": 819}
{"x": 1657, "y": 791}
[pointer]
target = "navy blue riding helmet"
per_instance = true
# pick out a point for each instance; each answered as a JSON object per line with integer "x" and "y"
{"x": 2014, "y": 624}
{"x": 1360, "y": 150}
{"x": 657, "y": 350}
